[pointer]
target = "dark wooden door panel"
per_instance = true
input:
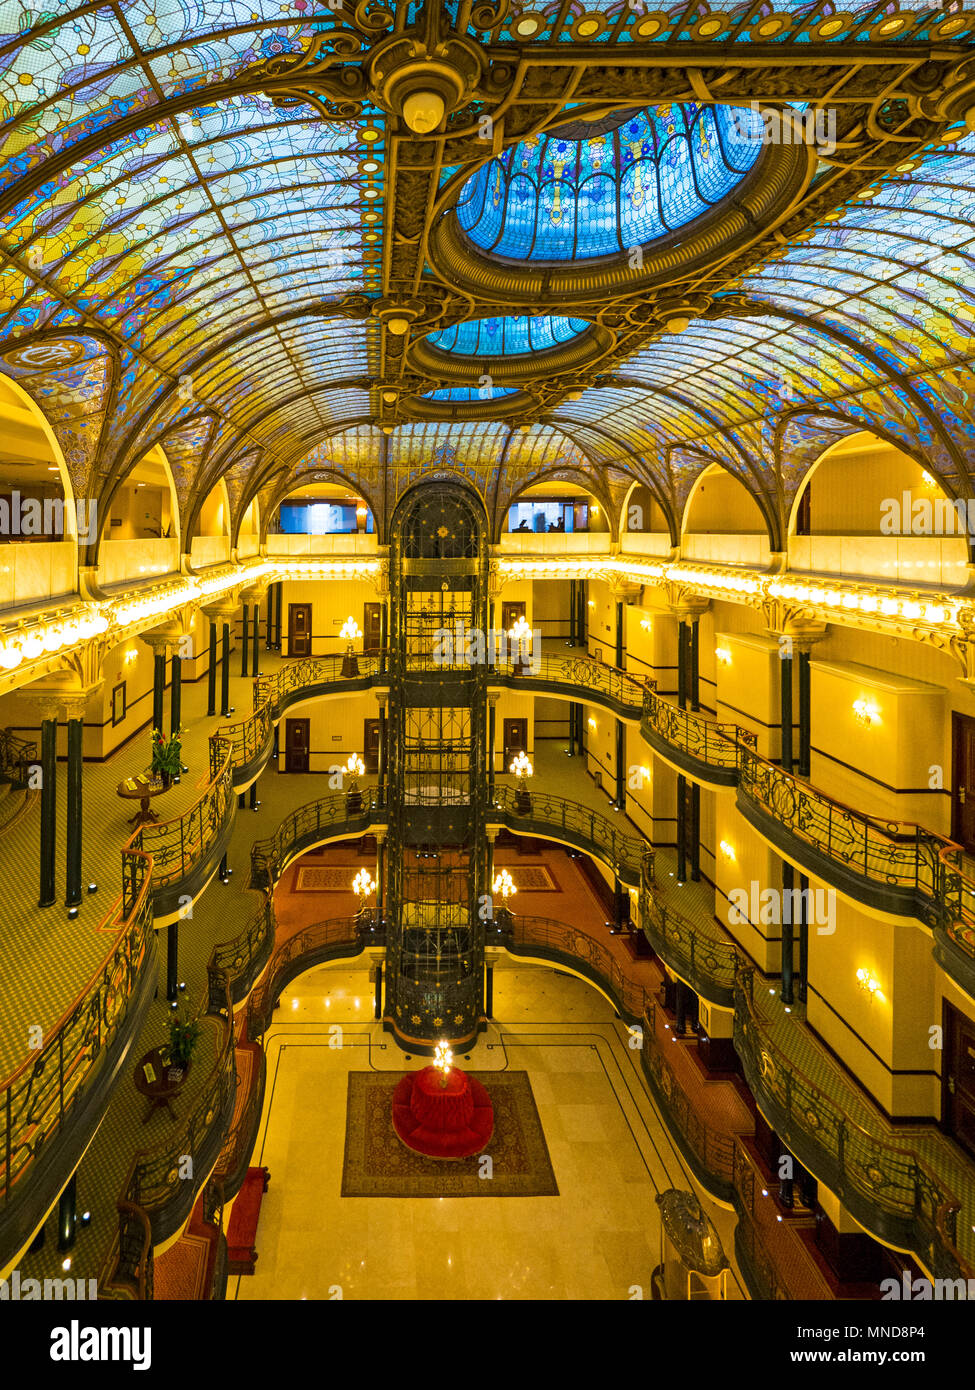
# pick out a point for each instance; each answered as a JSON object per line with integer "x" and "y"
{"x": 299, "y": 629}
{"x": 297, "y": 738}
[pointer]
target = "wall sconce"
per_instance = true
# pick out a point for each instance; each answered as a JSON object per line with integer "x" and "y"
{"x": 928, "y": 480}
{"x": 646, "y": 624}
{"x": 867, "y": 982}
{"x": 591, "y": 722}
{"x": 131, "y": 655}
{"x": 592, "y": 603}
{"x": 727, "y": 850}
{"x": 865, "y": 712}
{"x": 594, "y": 509}
{"x": 723, "y": 654}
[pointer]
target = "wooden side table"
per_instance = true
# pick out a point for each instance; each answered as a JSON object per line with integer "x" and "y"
{"x": 159, "y": 1081}
{"x": 142, "y": 787}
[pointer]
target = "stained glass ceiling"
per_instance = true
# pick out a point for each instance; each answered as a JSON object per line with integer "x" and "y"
{"x": 556, "y": 198}
{"x": 196, "y": 244}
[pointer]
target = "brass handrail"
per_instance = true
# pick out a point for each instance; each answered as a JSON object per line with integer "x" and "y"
{"x": 178, "y": 845}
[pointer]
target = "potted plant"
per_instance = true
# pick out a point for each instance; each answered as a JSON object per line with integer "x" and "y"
{"x": 183, "y": 1037}
{"x": 166, "y": 757}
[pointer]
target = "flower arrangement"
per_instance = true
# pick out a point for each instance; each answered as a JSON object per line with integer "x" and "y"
{"x": 166, "y": 756}
{"x": 183, "y": 1037}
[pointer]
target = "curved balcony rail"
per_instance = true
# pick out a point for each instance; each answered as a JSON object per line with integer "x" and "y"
{"x": 185, "y": 851}
{"x": 16, "y": 756}
{"x": 52, "y": 1103}
{"x": 248, "y": 745}
{"x": 954, "y": 934}
{"x": 328, "y": 818}
{"x": 335, "y": 939}
{"x": 235, "y": 1155}
{"x": 707, "y": 963}
{"x": 694, "y": 742}
{"x": 155, "y": 1180}
{"x": 307, "y": 676}
{"x": 555, "y": 818}
{"x": 888, "y": 1189}
{"x": 892, "y": 866}
{"x": 546, "y": 939}
{"x": 238, "y": 963}
{"x": 592, "y": 681}
{"x": 130, "y": 1263}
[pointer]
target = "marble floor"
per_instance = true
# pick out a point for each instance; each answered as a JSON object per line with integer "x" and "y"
{"x": 599, "y": 1239}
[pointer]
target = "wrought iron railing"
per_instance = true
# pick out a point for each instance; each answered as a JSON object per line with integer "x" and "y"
{"x": 875, "y": 1177}
{"x": 155, "y": 1175}
{"x": 246, "y": 742}
{"x": 129, "y": 1266}
{"x": 238, "y": 962}
{"x": 324, "y": 819}
{"x": 703, "y": 958}
{"x": 295, "y": 678}
{"x": 698, "y": 737}
{"x": 585, "y": 953}
{"x": 37, "y": 1098}
{"x": 180, "y": 845}
{"x": 594, "y": 679}
{"x": 892, "y": 855}
{"x": 957, "y": 891}
{"x": 337, "y": 937}
{"x": 576, "y": 823}
{"x": 16, "y": 756}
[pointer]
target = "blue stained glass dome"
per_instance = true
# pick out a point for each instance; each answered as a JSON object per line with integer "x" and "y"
{"x": 507, "y": 337}
{"x": 467, "y": 394}
{"x": 558, "y": 197}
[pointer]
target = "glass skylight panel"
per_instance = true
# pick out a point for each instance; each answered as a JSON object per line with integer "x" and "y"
{"x": 470, "y": 393}
{"x": 507, "y": 337}
{"x": 555, "y": 198}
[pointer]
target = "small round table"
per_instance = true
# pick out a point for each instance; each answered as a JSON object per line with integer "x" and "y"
{"x": 142, "y": 787}
{"x": 452, "y": 1121}
{"x": 167, "y": 1081}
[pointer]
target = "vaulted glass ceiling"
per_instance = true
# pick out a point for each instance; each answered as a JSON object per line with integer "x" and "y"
{"x": 191, "y": 263}
{"x": 556, "y": 197}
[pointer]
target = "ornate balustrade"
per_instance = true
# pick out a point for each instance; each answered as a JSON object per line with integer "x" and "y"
{"x": 129, "y": 1267}
{"x": 307, "y": 676}
{"x": 887, "y": 1188}
{"x": 706, "y": 962}
{"x": 693, "y": 741}
{"x": 592, "y": 681}
{"x": 331, "y": 940}
{"x": 550, "y": 940}
{"x": 238, "y": 963}
{"x": 157, "y": 1181}
{"x": 248, "y": 745}
{"x": 574, "y": 824}
{"x": 327, "y": 818}
{"x": 52, "y": 1103}
{"x": 16, "y": 756}
{"x": 890, "y": 865}
{"x": 185, "y": 850}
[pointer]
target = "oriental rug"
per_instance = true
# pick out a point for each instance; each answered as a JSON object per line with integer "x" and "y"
{"x": 378, "y": 1164}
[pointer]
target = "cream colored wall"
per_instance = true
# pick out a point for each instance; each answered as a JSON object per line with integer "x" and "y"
{"x": 550, "y": 607}
{"x": 335, "y": 731}
{"x": 331, "y": 605}
{"x": 38, "y": 570}
{"x": 601, "y": 622}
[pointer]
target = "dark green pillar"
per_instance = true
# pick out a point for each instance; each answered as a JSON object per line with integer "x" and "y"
{"x": 572, "y": 613}
{"x": 176, "y": 695}
{"x": 212, "y": 671}
{"x": 383, "y": 638}
{"x": 172, "y": 961}
{"x": 620, "y": 765}
{"x": 694, "y": 832}
{"x": 277, "y": 626}
{"x": 786, "y": 687}
{"x": 805, "y": 716}
{"x": 268, "y": 623}
{"x": 803, "y": 936}
{"x": 255, "y": 661}
{"x": 225, "y": 672}
{"x": 49, "y": 822}
{"x": 245, "y": 645}
{"x": 681, "y": 828}
{"x": 381, "y": 783}
{"x": 158, "y": 687}
{"x": 619, "y": 635}
{"x": 788, "y": 884}
{"x": 492, "y": 730}
{"x": 68, "y": 1214}
{"x": 682, "y": 672}
{"x": 693, "y": 636}
{"x": 72, "y": 895}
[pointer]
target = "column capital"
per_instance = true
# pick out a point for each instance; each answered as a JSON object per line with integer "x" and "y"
{"x": 223, "y": 609}
{"x": 52, "y": 702}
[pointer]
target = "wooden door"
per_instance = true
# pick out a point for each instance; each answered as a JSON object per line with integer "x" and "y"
{"x": 963, "y": 780}
{"x": 370, "y": 744}
{"x": 372, "y": 628}
{"x": 514, "y": 739}
{"x": 510, "y": 613}
{"x": 297, "y": 738}
{"x": 958, "y": 1094}
{"x": 299, "y": 629}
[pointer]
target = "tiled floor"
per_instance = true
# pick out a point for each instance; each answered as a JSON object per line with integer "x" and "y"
{"x": 599, "y": 1239}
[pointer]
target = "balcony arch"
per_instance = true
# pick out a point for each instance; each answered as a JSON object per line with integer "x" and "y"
{"x": 210, "y": 541}
{"x": 722, "y": 522}
{"x": 139, "y": 536}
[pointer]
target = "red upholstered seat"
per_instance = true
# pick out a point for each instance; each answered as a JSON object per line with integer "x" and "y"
{"x": 242, "y": 1227}
{"x": 453, "y": 1121}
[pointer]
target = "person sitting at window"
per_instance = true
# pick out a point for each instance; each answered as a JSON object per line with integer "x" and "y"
{"x": 524, "y": 526}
